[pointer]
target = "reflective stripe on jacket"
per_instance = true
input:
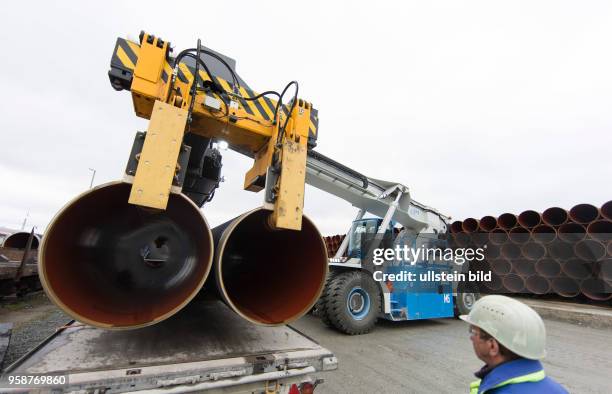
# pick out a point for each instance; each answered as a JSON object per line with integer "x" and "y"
{"x": 517, "y": 376}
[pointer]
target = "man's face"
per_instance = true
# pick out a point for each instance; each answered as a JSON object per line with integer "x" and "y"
{"x": 485, "y": 349}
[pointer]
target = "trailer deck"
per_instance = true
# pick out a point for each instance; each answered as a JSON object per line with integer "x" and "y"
{"x": 204, "y": 346}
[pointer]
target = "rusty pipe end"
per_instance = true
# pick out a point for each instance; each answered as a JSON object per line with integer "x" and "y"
{"x": 600, "y": 230}
{"x": 469, "y": 225}
{"x": 537, "y": 285}
{"x": 506, "y": 221}
{"x": 269, "y": 277}
{"x": 20, "y": 240}
{"x": 456, "y": 226}
{"x": 487, "y": 223}
{"x": 565, "y": 287}
{"x": 529, "y": 219}
{"x": 513, "y": 283}
{"x": 114, "y": 265}
{"x": 606, "y": 210}
{"x": 554, "y": 216}
{"x": 584, "y": 213}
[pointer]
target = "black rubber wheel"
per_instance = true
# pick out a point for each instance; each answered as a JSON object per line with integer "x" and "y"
{"x": 353, "y": 302}
{"x": 320, "y": 306}
{"x": 464, "y": 302}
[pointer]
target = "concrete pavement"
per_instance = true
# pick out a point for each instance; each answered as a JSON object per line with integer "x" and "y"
{"x": 436, "y": 356}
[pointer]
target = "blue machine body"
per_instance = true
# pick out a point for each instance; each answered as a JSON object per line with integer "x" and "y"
{"x": 409, "y": 300}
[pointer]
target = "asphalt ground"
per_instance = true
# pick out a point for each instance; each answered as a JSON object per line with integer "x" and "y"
{"x": 436, "y": 356}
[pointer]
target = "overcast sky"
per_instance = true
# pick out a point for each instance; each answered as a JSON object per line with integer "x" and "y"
{"x": 480, "y": 107}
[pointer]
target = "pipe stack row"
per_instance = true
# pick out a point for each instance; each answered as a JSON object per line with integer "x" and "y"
{"x": 561, "y": 252}
{"x": 333, "y": 242}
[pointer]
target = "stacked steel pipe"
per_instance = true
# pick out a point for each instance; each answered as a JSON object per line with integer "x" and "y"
{"x": 561, "y": 252}
{"x": 332, "y": 243}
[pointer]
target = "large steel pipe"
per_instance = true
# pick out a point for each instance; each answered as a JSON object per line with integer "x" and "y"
{"x": 571, "y": 232}
{"x": 469, "y": 225}
{"x": 20, "y": 240}
{"x": 584, "y": 213}
{"x": 495, "y": 284}
{"x": 510, "y": 251}
{"x": 115, "y": 265}
{"x": 606, "y": 210}
{"x": 577, "y": 269}
{"x": 537, "y": 285}
{"x": 600, "y": 230}
{"x": 548, "y": 268}
{"x": 487, "y": 223}
{"x": 529, "y": 219}
{"x": 544, "y": 233}
{"x": 562, "y": 251}
{"x": 498, "y": 236}
{"x": 565, "y": 287}
{"x": 269, "y": 277}
{"x": 524, "y": 267}
{"x": 507, "y": 221}
{"x": 590, "y": 250}
{"x": 596, "y": 289}
{"x": 461, "y": 238}
{"x": 554, "y": 216}
{"x": 605, "y": 270}
{"x": 501, "y": 266}
{"x": 519, "y": 235}
{"x": 492, "y": 252}
{"x": 456, "y": 226}
{"x": 514, "y": 283}
{"x": 533, "y": 251}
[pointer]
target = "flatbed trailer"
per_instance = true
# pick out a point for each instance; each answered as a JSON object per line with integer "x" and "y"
{"x": 206, "y": 347}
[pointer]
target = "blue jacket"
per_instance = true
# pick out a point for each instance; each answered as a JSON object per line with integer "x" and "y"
{"x": 517, "y": 376}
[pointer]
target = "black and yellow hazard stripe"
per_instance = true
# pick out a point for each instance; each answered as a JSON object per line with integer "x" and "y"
{"x": 125, "y": 56}
{"x": 314, "y": 124}
{"x": 262, "y": 108}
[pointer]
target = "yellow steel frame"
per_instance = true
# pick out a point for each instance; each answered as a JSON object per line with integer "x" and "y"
{"x": 243, "y": 127}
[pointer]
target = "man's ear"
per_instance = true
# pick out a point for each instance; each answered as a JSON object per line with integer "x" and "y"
{"x": 493, "y": 348}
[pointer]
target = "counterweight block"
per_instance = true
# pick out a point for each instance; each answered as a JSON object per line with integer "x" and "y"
{"x": 116, "y": 265}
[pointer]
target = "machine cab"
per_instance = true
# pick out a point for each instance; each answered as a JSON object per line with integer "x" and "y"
{"x": 362, "y": 234}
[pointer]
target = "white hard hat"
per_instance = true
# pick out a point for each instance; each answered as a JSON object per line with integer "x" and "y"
{"x": 513, "y": 324}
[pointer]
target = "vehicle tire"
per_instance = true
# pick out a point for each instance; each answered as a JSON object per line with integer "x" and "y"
{"x": 353, "y": 302}
{"x": 319, "y": 308}
{"x": 464, "y": 302}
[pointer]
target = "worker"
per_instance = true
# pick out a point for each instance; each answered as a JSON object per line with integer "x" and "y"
{"x": 510, "y": 338}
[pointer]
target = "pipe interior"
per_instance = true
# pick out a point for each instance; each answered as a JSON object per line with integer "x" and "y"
{"x": 537, "y": 284}
{"x": 584, "y": 213}
{"x": 554, "y": 216}
{"x": 529, "y": 219}
{"x": 20, "y": 241}
{"x": 565, "y": 287}
{"x": 272, "y": 276}
{"x": 544, "y": 233}
{"x": 548, "y": 268}
{"x": 606, "y": 210}
{"x": 507, "y": 221}
{"x": 469, "y": 225}
{"x": 119, "y": 265}
{"x": 514, "y": 283}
